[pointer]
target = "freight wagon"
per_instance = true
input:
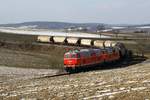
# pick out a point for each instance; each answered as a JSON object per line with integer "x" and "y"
{"x": 44, "y": 39}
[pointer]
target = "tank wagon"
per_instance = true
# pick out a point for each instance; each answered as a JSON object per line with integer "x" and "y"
{"x": 84, "y": 58}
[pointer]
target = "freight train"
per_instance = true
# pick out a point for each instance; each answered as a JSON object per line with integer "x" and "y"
{"x": 85, "y": 58}
{"x": 75, "y": 41}
{"x": 105, "y": 52}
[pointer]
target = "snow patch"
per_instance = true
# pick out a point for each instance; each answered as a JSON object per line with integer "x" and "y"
{"x": 138, "y": 88}
{"x": 146, "y": 81}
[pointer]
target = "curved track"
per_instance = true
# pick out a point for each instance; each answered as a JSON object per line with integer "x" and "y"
{"x": 55, "y": 75}
{"x": 122, "y": 63}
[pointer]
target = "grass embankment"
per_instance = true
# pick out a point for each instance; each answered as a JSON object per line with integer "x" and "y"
{"x": 142, "y": 47}
{"x": 6, "y": 37}
{"x": 32, "y": 58}
{"x": 18, "y": 51}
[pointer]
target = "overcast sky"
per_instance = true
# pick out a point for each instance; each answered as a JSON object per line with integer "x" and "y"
{"x": 99, "y": 11}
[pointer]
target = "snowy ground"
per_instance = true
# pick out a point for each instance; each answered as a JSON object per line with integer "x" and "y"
{"x": 127, "y": 83}
{"x": 52, "y": 33}
{"x": 13, "y": 74}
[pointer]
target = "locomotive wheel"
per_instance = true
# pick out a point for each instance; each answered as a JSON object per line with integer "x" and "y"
{"x": 70, "y": 70}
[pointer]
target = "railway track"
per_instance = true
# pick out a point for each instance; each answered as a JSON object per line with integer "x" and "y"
{"x": 55, "y": 75}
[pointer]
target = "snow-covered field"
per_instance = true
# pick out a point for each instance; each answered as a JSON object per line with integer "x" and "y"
{"x": 51, "y": 33}
{"x": 128, "y": 83}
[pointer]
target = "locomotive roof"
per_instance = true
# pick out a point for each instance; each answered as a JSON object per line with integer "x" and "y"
{"x": 83, "y": 50}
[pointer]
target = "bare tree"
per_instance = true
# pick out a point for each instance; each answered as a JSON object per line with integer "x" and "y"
{"x": 116, "y": 32}
{"x": 101, "y": 27}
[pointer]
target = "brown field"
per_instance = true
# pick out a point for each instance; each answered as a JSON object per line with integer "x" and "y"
{"x": 125, "y": 83}
{"x": 34, "y": 62}
{"x": 18, "y": 51}
{"x": 30, "y": 55}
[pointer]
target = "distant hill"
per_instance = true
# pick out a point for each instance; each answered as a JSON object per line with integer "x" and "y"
{"x": 54, "y": 25}
{"x": 92, "y": 27}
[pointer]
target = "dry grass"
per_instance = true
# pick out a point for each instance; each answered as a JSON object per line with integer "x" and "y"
{"x": 17, "y": 38}
{"x": 31, "y": 59}
{"x": 126, "y": 83}
{"x": 18, "y": 51}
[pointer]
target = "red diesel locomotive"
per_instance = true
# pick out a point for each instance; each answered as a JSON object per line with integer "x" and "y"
{"x": 88, "y": 57}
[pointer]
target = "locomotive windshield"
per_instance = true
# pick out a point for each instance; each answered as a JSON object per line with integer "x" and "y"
{"x": 72, "y": 55}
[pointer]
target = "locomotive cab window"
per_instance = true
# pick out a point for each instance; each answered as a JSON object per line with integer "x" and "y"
{"x": 104, "y": 51}
{"x": 78, "y": 55}
{"x": 66, "y": 56}
{"x": 73, "y": 56}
